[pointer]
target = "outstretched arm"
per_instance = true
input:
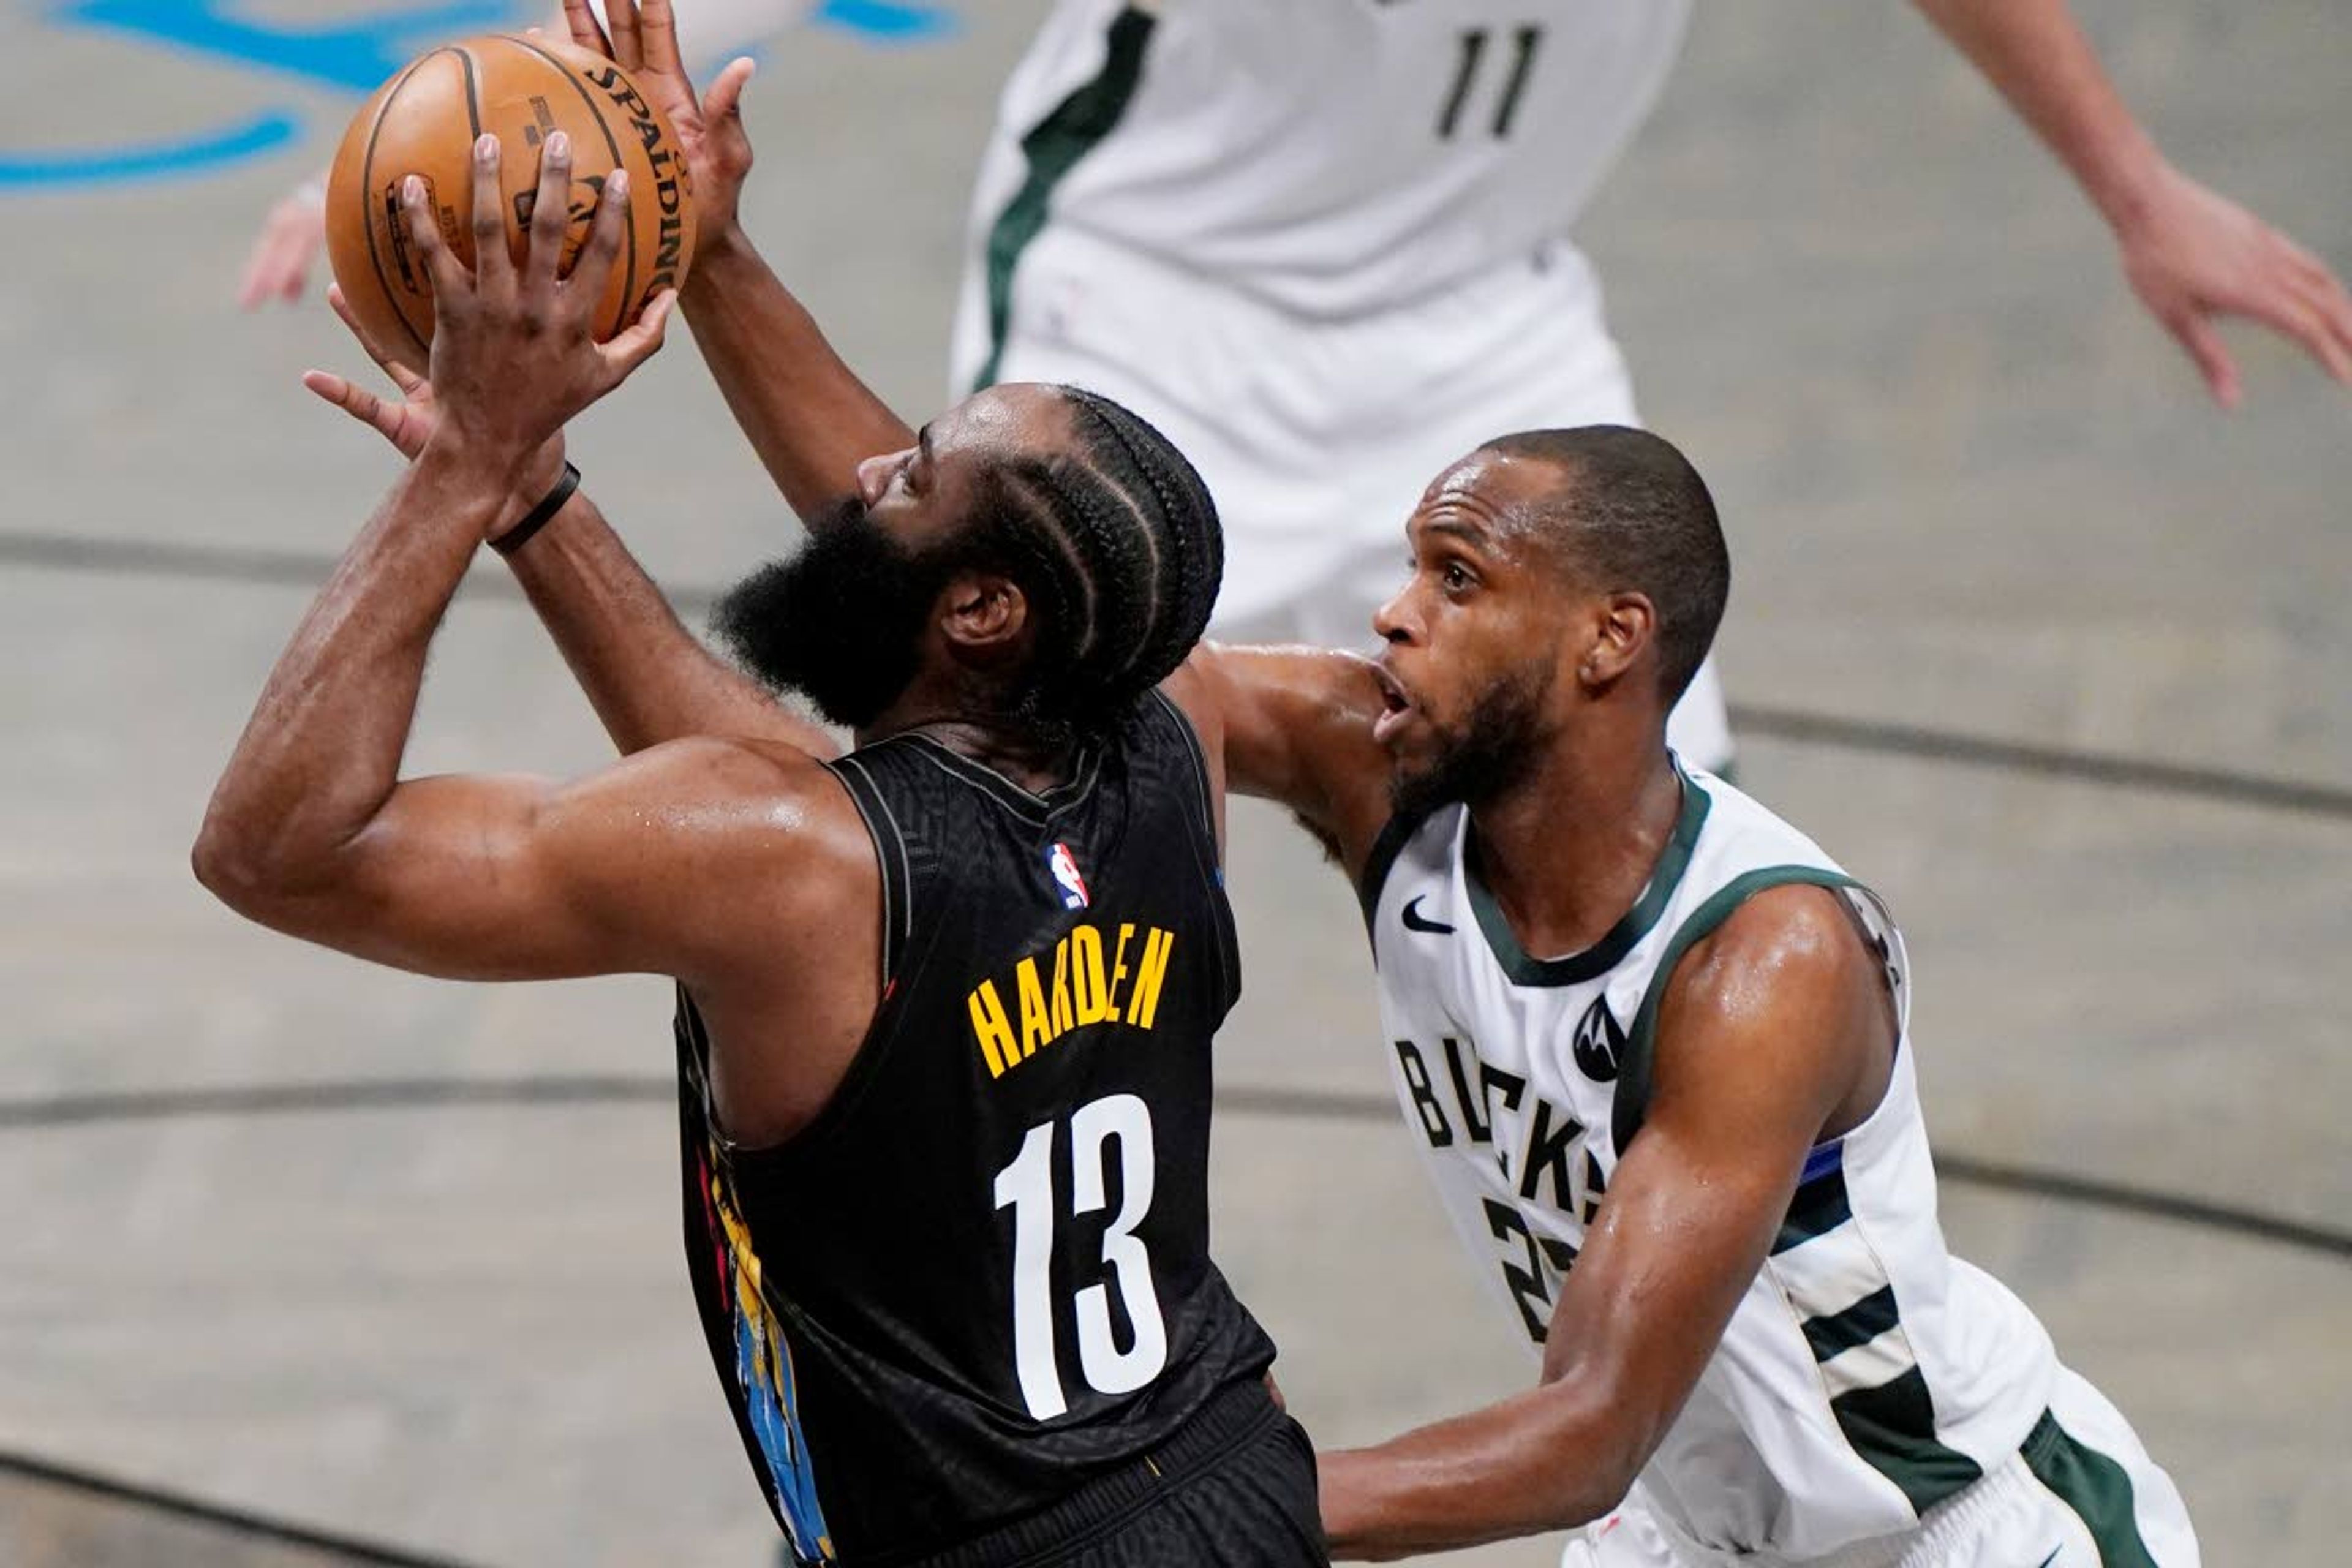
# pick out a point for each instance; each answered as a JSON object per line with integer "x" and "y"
{"x": 807, "y": 415}
{"x": 1293, "y": 725}
{"x": 1775, "y": 1029}
{"x": 310, "y": 829}
{"x": 312, "y": 832}
{"x": 2190, "y": 254}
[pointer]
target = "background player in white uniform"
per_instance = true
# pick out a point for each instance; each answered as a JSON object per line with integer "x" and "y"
{"x": 1324, "y": 245}
{"x": 1762, "y": 1342}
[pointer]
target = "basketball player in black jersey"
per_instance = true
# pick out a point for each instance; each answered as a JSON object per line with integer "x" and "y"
{"x": 945, "y": 1003}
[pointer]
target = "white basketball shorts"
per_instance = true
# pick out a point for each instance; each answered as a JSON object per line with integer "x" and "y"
{"x": 2080, "y": 1492}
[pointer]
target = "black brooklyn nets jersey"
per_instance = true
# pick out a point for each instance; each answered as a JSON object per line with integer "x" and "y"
{"x": 981, "y": 1277}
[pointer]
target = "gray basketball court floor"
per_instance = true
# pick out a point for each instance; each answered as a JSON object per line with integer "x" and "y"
{"x": 306, "y": 1263}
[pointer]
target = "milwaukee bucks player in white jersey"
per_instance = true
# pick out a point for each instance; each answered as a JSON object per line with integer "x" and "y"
{"x": 1867, "y": 1381}
{"x": 1652, "y": 1042}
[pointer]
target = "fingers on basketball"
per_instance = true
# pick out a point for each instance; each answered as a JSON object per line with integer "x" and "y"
{"x": 621, "y": 25}
{"x": 586, "y": 30}
{"x": 549, "y": 209}
{"x": 657, "y": 34}
{"x": 493, "y": 262}
{"x": 593, "y": 271}
{"x": 642, "y": 339}
{"x": 451, "y": 281}
{"x": 407, "y": 379}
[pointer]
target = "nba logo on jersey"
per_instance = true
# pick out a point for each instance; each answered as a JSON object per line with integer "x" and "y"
{"x": 1064, "y": 868}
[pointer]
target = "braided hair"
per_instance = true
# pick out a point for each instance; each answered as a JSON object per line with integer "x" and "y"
{"x": 1117, "y": 548}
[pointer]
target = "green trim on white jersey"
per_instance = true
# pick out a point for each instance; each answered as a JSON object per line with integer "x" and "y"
{"x": 1633, "y": 1084}
{"x": 1077, "y": 125}
{"x": 1525, "y": 969}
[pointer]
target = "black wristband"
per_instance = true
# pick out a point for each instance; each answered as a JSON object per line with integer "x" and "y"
{"x": 515, "y": 538}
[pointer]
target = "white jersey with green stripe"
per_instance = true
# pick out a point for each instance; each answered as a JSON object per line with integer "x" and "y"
{"x": 1336, "y": 157}
{"x": 1867, "y": 1375}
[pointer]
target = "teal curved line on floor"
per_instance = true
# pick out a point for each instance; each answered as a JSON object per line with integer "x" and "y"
{"x": 265, "y": 132}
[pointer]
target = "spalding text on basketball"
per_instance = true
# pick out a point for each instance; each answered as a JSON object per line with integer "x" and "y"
{"x": 672, "y": 183}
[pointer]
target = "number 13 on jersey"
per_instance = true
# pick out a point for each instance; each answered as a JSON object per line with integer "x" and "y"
{"x": 1116, "y": 1126}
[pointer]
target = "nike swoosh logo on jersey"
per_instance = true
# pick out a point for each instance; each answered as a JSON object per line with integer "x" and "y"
{"x": 1415, "y": 921}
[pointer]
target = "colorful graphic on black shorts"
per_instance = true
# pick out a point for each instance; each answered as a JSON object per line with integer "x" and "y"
{"x": 764, "y": 1371}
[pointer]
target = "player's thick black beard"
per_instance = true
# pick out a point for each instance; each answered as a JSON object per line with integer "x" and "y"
{"x": 841, "y": 621}
{"x": 1493, "y": 751}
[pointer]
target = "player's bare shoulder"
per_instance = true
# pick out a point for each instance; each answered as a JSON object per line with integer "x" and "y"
{"x": 763, "y": 798}
{"x": 1791, "y": 972}
{"x": 1796, "y": 934}
{"x": 760, "y": 827}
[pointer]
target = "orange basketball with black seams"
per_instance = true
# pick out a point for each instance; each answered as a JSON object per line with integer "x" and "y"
{"x": 425, "y": 121}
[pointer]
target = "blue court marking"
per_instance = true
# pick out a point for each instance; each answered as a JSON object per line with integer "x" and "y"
{"x": 263, "y": 133}
{"x": 356, "y": 55}
{"x": 886, "y": 22}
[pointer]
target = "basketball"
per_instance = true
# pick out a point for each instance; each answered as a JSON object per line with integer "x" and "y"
{"x": 425, "y": 121}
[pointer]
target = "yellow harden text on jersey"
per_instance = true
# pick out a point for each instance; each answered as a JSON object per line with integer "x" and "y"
{"x": 1085, "y": 988}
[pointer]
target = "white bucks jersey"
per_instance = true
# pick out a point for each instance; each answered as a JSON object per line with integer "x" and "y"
{"x": 1866, "y": 1374}
{"x": 1337, "y": 156}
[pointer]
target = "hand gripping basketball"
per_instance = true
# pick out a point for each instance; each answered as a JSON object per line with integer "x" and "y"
{"x": 643, "y": 43}
{"x": 522, "y": 90}
{"x": 516, "y": 354}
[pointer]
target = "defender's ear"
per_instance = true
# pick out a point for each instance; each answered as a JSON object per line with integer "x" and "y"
{"x": 1625, "y": 625}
